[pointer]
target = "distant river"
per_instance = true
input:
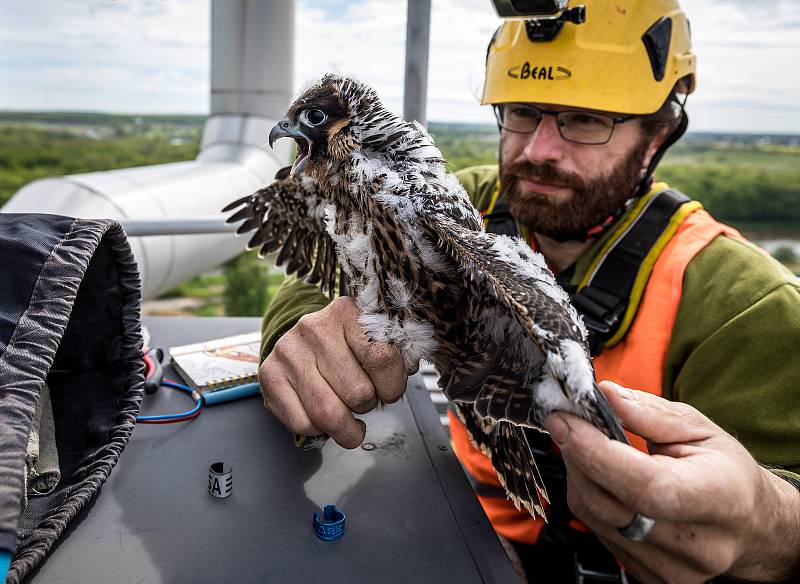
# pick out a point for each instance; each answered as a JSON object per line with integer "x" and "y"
{"x": 772, "y": 238}
{"x": 772, "y": 244}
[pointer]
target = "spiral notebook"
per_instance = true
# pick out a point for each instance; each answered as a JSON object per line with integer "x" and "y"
{"x": 218, "y": 363}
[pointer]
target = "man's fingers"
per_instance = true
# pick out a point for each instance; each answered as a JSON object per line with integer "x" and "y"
{"x": 640, "y": 481}
{"x": 344, "y": 373}
{"x": 653, "y": 561}
{"x": 597, "y": 507}
{"x": 326, "y": 411}
{"x": 329, "y": 413}
{"x": 656, "y": 419}
{"x": 281, "y": 399}
{"x": 634, "y": 558}
{"x": 323, "y": 334}
{"x": 590, "y": 502}
{"x": 382, "y": 362}
{"x": 674, "y": 543}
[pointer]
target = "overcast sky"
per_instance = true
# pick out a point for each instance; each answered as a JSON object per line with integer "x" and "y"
{"x": 152, "y": 56}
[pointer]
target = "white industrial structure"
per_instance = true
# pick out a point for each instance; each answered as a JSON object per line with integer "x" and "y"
{"x": 252, "y": 74}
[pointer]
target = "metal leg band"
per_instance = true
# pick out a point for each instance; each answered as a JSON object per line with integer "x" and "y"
{"x": 220, "y": 481}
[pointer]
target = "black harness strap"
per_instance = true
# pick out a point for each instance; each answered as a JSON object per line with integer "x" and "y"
{"x": 500, "y": 220}
{"x": 605, "y": 299}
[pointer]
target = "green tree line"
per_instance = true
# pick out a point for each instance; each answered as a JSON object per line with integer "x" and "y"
{"x": 27, "y": 154}
{"x": 745, "y": 185}
{"x": 739, "y": 193}
{"x": 742, "y": 183}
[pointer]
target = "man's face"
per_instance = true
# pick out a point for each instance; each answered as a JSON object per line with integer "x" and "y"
{"x": 561, "y": 189}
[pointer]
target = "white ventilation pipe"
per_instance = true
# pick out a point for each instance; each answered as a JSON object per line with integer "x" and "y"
{"x": 252, "y": 46}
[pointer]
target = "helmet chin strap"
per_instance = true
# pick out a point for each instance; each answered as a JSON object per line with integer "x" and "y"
{"x": 677, "y": 132}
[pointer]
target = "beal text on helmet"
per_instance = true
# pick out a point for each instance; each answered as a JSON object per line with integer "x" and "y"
{"x": 546, "y": 72}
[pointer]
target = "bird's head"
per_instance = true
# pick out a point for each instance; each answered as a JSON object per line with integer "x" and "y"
{"x": 321, "y": 121}
{"x": 338, "y": 116}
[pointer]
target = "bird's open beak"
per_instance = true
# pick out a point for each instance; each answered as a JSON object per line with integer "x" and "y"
{"x": 286, "y": 129}
{"x": 283, "y": 129}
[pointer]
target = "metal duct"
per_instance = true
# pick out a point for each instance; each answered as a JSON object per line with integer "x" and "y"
{"x": 418, "y": 36}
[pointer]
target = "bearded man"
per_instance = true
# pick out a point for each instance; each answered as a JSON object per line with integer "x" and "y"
{"x": 678, "y": 305}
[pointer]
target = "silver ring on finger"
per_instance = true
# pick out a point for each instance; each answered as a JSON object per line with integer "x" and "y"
{"x": 638, "y": 528}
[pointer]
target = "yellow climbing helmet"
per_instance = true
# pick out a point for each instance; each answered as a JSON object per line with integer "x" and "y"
{"x": 626, "y": 57}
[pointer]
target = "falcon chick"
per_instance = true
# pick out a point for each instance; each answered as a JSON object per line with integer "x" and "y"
{"x": 368, "y": 201}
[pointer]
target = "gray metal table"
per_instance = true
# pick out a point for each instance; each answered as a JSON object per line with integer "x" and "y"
{"x": 411, "y": 515}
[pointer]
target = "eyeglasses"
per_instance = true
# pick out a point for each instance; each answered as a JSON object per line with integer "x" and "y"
{"x": 578, "y": 126}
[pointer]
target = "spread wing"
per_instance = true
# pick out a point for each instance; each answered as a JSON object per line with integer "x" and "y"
{"x": 547, "y": 365}
{"x": 288, "y": 216}
{"x": 523, "y": 355}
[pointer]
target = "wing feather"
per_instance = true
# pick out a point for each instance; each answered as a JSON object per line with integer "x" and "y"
{"x": 506, "y": 270}
{"x": 500, "y": 382}
{"x": 287, "y": 217}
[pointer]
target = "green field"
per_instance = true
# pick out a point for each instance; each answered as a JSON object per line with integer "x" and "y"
{"x": 44, "y": 145}
{"x": 740, "y": 178}
{"x": 752, "y": 182}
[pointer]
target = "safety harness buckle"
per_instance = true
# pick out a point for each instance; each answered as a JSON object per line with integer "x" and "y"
{"x": 590, "y": 576}
{"x": 601, "y": 312}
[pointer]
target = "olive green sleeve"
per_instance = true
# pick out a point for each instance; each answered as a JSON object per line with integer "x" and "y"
{"x": 735, "y": 349}
{"x": 479, "y": 182}
{"x": 295, "y": 298}
{"x": 292, "y": 300}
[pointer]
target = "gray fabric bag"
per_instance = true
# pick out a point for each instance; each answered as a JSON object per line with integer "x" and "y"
{"x": 71, "y": 372}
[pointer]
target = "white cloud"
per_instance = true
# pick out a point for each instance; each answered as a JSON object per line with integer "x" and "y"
{"x": 365, "y": 39}
{"x": 108, "y": 55}
{"x": 747, "y": 72}
{"x": 152, "y": 56}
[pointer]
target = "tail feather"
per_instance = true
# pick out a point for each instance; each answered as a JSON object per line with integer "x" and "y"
{"x": 507, "y": 447}
{"x": 517, "y": 470}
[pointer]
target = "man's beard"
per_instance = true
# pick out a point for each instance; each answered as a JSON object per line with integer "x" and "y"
{"x": 590, "y": 204}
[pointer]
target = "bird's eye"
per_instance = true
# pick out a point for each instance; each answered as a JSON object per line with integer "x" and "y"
{"x": 313, "y": 117}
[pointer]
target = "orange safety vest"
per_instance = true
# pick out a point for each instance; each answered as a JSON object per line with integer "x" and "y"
{"x": 636, "y": 361}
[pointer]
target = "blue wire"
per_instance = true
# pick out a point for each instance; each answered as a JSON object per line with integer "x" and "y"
{"x": 198, "y": 404}
{"x": 176, "y": 385}
{"x": 5, "y": 562}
